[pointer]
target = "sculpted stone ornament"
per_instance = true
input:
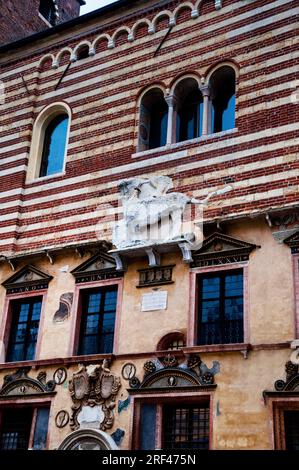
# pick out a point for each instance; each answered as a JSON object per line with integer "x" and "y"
{"x": 151, "y": 214}
{"x": 93, "y": 387}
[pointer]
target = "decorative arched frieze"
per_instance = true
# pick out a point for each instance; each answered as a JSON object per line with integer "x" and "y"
{"x": 161, "y": 14}
{"x": 44, "y": 59}
{"x": 132, "y": 34}
{"x": 183, "y": 6}
{"x": 65, "y": 50}
{"x": 80, "y": 46}
{"x": 98, "y": 39}
{"x": 118, "y": 32}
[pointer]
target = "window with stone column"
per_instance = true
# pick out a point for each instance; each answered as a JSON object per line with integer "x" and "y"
{"x": 153, "y": 120}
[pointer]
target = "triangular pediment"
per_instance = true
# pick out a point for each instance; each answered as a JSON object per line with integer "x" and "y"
{"x": 219, "y": 248}
{"x": 99, "y": 266}
{"x": 28, "y": 278}
{"x": 293, "y": 242}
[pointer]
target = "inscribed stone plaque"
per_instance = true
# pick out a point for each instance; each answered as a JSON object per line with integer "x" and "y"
{"x": 154, "y": 301}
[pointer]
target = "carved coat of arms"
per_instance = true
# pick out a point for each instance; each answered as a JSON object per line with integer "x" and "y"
{"x": 98, "y": 387}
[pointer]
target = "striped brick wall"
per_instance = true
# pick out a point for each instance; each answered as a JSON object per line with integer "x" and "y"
{"x": 259, "y": 157}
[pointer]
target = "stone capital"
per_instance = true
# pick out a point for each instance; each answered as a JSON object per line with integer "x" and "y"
{"x": 205, "y": 90}
{"x": 171, "y": 100}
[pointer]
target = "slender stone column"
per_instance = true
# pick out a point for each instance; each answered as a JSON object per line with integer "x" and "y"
{"x": 171, "y": 124}
{"x": 205, "y": 90}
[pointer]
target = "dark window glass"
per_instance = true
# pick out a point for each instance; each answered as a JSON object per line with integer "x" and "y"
{"x": 54, "y": 146}
{"x": 24, "y": 329}
{"x": 189, "y": 117}
{"x": 97, "y": 322}
{"x": 47, "y": 9}
{"x": 223, "y": 99}
{"x": 291, "y": 423}
{"x": 15, "y": 428}
{"x": 153, "y": 120}
{"x": 220, "y": 318}
{"x": 41, "y": 429}
{"x": 148, "y": 427}
{"x": 186, "y": 427}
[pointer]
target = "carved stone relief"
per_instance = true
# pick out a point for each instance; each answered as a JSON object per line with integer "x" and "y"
{"x": 93, "y": 391}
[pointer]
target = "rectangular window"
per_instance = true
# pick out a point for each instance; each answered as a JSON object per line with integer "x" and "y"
{"x": 97, "y": 321}
{"x": 177, "y": 426}
{"x": 24, "y": 329}
{"x": 220, "y": 317}
{"x": 24, "y": 428}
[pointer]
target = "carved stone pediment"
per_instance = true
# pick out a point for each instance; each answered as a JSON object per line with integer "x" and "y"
{"x": 27, "y": 279}
{"x": 91, "y": 387}
{"x": 293, "y": 242}
{"x": 167, "y": 374}
{"x": 101, "y": 266}
{"x": 19, "y": 384}
{"x": 220, "y": 249}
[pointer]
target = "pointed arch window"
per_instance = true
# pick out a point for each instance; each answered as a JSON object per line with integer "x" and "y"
{"x": 54, "y": 146}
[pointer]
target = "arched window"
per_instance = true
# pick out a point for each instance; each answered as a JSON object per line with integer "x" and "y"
{"x": 189, "y": 110}
{"x": 54, "y": 146}
{"x": 172, "y": 341}
{"x": 153, "y": 120}
{"x": 223, "y": 97}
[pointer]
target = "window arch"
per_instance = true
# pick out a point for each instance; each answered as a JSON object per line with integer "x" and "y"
{"x": 172, "y": 341}
{"x": 49, "y": 142}
{"x": 153, "y": 120}
{"x": 88, "y": 439}
{"x": 223, "y": 98}
{"x": 189, "y": 110}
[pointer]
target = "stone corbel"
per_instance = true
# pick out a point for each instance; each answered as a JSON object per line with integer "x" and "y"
{"x": 120, "y": 262}
{"x": 186, "y": 252}
{"x": 154, "y": 258}
{"x": 11, "y": 264}
{"x": 49, "y": 256}
{"x": 218, "y": 4}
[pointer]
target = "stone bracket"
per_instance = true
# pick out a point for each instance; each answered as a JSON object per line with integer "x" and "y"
{"x": 154, "y": 258}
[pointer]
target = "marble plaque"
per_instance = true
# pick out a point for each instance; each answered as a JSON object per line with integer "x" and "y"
{"x": 154, "y": 301}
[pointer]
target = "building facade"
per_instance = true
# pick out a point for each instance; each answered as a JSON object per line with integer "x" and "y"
{"x": 115, "y": 338}
{"x": 21, "y": 19}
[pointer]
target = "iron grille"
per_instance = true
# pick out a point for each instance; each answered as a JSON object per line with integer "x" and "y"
{"x": 15, "y": 429}
{"x": 186, "y": 427}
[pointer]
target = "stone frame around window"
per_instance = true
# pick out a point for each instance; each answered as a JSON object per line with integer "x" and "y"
{"x": 193, "y": 301}
{"x": 37, "y": 142}
{"x": 76, "y": 312}
{"x": 5, "y": 326}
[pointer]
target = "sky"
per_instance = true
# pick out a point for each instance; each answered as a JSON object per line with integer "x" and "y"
{"x": 94, "y": 5}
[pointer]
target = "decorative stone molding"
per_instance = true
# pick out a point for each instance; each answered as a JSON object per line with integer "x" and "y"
{"x": 65, "y": 305}
{"x": 98, "y": 268}
{"x": 193, "y": 7}
{"x": 220, "y": 249}
{"x": 19, "y": 384}
{"x": 166, "y": 374}
{"x": 28, "y": 279}
{"x": 88, "y": 439}
{"x": 293, "y": 242}
{"x": 93, "y": 390}
{"x": 155, "y": 276}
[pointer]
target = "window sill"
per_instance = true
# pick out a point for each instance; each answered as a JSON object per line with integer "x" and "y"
{"x": 178, "y": 145}
{"x": 41, "y": 179}
{"x": 217, "y": 348}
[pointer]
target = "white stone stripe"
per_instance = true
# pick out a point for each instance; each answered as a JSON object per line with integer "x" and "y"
{"x": 225, "y": 203}
{"x": 120, "y": 71}
{"x": 206, "y": 149}
{"x": 15, "y": 169}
